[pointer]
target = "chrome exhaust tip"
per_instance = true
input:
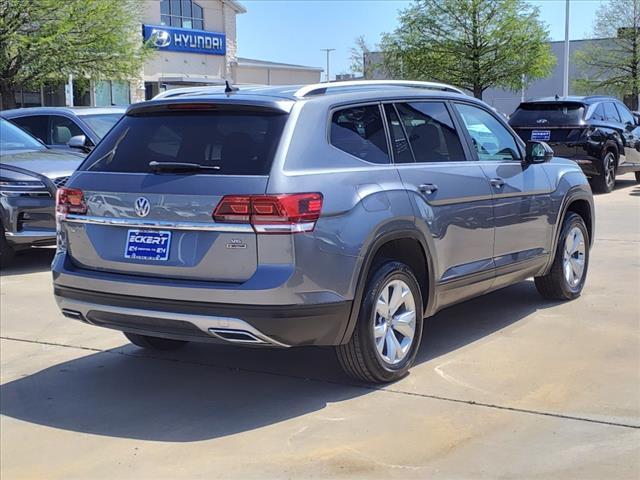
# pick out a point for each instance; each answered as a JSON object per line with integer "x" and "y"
{"x": 237, "y": 336}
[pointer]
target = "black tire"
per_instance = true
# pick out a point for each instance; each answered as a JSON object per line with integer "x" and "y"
{"x": 554, "y": 285}
{"x": 154, "y": 343}
{"x": 6, "y": 252}
{"x": 359, "y": 358}
{"x": 605, "y": 181}
{"x": 637, "y": 177}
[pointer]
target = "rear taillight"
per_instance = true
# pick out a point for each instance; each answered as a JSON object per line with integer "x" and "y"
{"x": 289, "y": 213}
{"x": 70, "y": 200}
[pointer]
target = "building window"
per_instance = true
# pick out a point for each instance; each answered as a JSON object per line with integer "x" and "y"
{"x": 111, "y": 92}
{"x": 181, "y": 13}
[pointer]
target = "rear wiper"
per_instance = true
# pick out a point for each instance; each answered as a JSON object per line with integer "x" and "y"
{"x": 180, "y": 167}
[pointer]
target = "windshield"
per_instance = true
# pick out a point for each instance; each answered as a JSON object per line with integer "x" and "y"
{"x": 13, "y": 138}
{"x": 547, "y": 114}
{"x": 224, "y": 143}
{"x": 101, "y": 123}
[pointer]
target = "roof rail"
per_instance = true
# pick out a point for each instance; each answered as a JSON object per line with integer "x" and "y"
{"x": 321, "y": 88}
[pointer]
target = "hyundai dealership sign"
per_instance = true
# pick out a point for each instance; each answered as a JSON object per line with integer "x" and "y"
{"x": 184, "y": 39}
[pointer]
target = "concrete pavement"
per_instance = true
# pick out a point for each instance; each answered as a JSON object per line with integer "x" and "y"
{"x": 506, "y": 385}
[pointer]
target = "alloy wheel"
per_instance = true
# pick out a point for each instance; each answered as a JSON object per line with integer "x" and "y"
{"x": 573, "y": 258}
{"x": 394, "y": 322}
{"x": 610, "y": 170}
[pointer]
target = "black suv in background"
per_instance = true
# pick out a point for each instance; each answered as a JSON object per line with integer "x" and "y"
{"x": 599, "y": 133}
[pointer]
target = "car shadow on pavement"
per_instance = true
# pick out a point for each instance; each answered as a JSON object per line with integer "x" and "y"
{"x": 33, "y": 260}
{"x": 207, "y": 391}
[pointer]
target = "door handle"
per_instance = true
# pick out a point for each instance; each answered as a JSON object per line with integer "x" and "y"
{"x": 497, "y": 182}
{"x": 428, "y": 188}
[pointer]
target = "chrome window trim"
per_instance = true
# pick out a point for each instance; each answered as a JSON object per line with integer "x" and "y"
{"x": 138, "y": 223}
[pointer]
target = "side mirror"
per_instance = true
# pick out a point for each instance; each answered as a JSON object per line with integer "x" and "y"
{"x": 538, "y": 152}
{"x": 80, "y": 142}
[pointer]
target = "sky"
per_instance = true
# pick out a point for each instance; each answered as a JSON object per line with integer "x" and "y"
{"x": 295, "y": 31}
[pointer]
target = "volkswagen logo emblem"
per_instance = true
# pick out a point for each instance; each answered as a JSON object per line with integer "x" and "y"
{"x": 142, "y": 207}
{"x": 160, "y": 38}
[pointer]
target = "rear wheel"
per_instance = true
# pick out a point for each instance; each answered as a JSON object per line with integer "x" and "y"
{"x": 154, "y": 343}
{"x": 387, "y": 336}
{"x": 568, "y": 272}
{"x": 606, "y": 178}
{"x": 638, "y": 177}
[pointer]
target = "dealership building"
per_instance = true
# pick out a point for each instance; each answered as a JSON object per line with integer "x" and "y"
{"x": 196, "y": 45}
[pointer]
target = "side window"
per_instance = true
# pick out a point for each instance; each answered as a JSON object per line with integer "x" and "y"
{"x": 35, "y": 125}
{"x": 431, "y": 133}
{"x": 610, "y": 112}
{"x": 490, "y": 138}
{"x": 625, "y": 114}
{"x": 399, "y": 144}
{"x": 598, "y": 113}
{"x": 62, "y": 129}
{"x": 360, "y": 132}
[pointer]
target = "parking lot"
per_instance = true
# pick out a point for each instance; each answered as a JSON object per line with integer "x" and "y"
{"x": 505, "y": 385}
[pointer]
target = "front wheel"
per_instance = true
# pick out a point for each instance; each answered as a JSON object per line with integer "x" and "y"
{"x": 154, "y": 343}
{"x": 387, "y": 336}
{"x": 568, "y": 272}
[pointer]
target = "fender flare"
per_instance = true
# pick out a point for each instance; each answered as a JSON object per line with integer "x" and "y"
{"x": 575, "y": 193}
{"x": 365, "y": 270}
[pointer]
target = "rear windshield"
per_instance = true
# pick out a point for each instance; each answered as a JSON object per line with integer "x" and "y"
{"x": 555, "y": 114}
{"x": 235, "y": 143}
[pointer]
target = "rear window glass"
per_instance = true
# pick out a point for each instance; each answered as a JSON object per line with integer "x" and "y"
{"x": 234, "y": 142}
{"x": 547, "y": 114}
{"x": 360, "y": 132}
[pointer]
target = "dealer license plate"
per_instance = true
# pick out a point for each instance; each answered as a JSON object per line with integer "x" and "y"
{"x": 541, "y": 135}
{"x": 148, "y": 245}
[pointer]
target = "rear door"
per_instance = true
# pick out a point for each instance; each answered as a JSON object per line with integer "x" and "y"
{"x": 135, "y": 210}
{"x": 451, "y": 195}
{"x": 521, "y": 193}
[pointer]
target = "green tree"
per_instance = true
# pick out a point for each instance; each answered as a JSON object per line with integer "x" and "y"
{"x": 46, "y": 40}
{"x": 357, "y": 55}
{"x": 473, "y": 44}
{"x": 613, "y": 66}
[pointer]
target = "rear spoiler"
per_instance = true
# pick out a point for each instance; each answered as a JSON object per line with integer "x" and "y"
{"x": 222, "y": 103}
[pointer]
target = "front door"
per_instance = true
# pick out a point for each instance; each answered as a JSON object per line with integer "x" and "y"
{"x": 521, "y": 192}
{"x": 451, "y": 196}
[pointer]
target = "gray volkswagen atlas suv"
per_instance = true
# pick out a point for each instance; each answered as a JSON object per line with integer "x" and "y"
{"x": 331, "y": 214}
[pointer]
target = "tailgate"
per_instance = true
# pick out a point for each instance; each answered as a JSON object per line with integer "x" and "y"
{"x": 139, "y": 218}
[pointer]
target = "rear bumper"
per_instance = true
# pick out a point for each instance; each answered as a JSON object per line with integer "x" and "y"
{"x": 274, "y": 325}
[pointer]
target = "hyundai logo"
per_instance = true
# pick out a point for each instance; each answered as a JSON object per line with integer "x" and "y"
{"x": 142, "y": 207}
{"x": 160, "y": 38}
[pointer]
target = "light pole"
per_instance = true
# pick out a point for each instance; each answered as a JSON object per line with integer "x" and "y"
{"x": 565, "y": 78}
{"x": 328, "y": 50}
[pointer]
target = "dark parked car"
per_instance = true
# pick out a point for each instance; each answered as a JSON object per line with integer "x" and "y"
{"x": 599, "y": 133}
{"x": 29, "y": 175}
{"x": 63, "y": 127}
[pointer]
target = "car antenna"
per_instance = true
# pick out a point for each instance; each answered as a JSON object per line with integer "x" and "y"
{"x": 557, "y": 97}
{"x": 229, "y": 88}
